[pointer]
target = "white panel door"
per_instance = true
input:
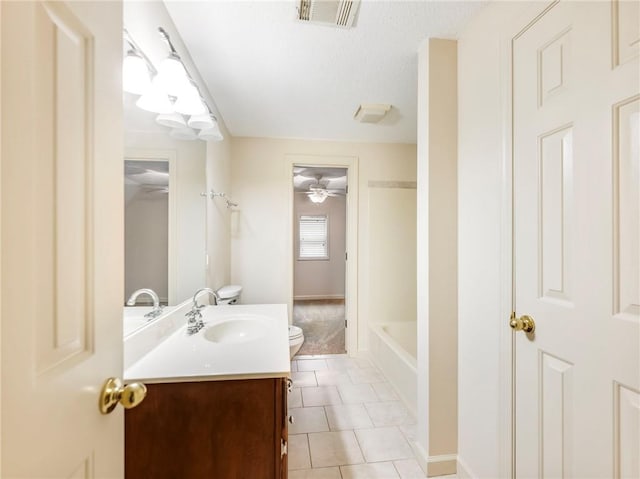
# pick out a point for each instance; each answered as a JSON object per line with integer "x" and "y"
{"x": 61, "y": 243}
{"x": 576, "y": 150}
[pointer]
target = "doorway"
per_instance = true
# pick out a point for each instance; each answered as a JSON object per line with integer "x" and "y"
{"x": 319, "y": 257}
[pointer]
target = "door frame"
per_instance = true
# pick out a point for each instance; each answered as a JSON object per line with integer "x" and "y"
{"x": 350, "y": 163}
{"x": 525, "y": 19}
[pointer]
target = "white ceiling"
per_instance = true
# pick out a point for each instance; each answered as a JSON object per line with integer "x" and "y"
{"x": 272, "y": 76}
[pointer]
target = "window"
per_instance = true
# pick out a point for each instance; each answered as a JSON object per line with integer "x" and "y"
{"x": 313, "y": 237}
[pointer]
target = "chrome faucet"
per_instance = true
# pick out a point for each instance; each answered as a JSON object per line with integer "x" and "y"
{"x": 194, "y": 321}
{"x": 205, "y": 290}
{"x": 157, "y": 309}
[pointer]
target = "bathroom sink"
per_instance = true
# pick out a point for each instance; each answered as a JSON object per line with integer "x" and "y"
{"x": 237, "y": 330}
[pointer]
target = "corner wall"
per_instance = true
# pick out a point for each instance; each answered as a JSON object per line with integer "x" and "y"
{"x": 436, "y": 443}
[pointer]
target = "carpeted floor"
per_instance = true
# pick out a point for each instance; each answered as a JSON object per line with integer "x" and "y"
{"x": 322, "y": 322}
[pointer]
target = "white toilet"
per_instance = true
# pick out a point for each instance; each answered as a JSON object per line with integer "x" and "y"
{"x": 296, "y": 338}
{"x": 229, "y": 294}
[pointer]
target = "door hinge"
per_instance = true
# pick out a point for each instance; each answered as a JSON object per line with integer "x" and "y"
{"x": 346, "y": 190}
{"x": 345, "y": 323}
{"x": 346, "y": 256}
{"x": 283, "y": 448}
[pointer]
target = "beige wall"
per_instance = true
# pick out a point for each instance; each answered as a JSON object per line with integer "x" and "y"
{"x": 261, "y": 175}
{"x": 187, "y": 273}
{"x": 391, "y": 260}
{"x": 436, "y": 263}
{"x": 146, "y": 242}
{"x": 219, "y": 217}
{"x": 315, "y": 279}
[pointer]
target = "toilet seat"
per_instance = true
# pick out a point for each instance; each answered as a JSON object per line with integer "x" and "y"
{"x": 295, "y": 332}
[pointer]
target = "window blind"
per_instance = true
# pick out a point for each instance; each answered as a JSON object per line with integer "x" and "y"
{"x": 313, "y": 237}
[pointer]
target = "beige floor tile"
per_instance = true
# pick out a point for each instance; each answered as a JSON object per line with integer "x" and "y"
{"x": 294, "y": 399}
{"x": 357, "y": 393}
{"x": 320, "y": 473}
{"x": 364, "y": 363}
{"x": 378, "y": 470}
{"x": 308, "y": 419}
{"x": 389, "y": 413}
{"x": 320, "y": 396}
{"x": 304, "y": 379}
{"x": 298, "y": 452}
{"x": 385, "y": 391}
{"x": 342, "y": 363}
{"x": 332, "y": 378}
{"x": 348, "y": 416}
{"x": 383, "y": 444}
{"x": 368, "y": 375}
{"x": 410, "y": 431}
{"x": 409, "y": 469}
{"x": 334, "y": 449}
{"x": 312, "y": 365}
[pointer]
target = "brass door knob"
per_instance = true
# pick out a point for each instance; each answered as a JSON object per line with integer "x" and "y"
{"x": 114, "y": 392}
{"x": 523, "y": 323}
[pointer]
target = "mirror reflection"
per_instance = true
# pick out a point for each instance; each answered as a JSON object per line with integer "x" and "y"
{"x": 146, "y": 230}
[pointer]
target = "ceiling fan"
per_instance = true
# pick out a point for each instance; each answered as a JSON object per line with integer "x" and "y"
{"x": 318, "y": 190}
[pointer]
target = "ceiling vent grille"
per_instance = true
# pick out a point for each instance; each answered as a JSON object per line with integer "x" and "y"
{"x": 337, "y": 13}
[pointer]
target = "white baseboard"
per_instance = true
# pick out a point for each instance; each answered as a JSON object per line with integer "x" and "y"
{"x": 442, "y": 465}
{"x": 421, "y": 456}
{"x": 304, "y": 297}
{"x": 464, "y": 471}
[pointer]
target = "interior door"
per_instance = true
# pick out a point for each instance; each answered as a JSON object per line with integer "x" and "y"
{"x": 62, "y": 255}
{"x": 576, "y": 150}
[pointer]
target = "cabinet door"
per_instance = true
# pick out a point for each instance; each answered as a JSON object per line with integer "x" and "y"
{"x": 216, "y": 429}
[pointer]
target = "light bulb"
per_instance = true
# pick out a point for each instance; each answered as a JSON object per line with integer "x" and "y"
{"x": 155, "y": 100}
{"x": 212, "y": 134}
{"x": 135, "y": 74}
{"x": 172, "y": 75}
{"x": 189, "y": 101}
{"x": 172, "y": 120}
{"x": 201, "y": 122}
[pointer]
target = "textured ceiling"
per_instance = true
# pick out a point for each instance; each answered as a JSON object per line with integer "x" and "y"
{"x": 272, "y": 76}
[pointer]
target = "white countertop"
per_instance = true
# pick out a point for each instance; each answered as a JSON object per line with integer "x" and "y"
{"x": 181, "y": 358}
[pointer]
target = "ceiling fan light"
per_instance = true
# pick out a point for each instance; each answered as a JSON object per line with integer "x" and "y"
{"x": 135, "y": 74}
{"x": 183, "y": 134}
{"x": 318, "y": 195}
{"x": 155, "y": 100}
{"x": 172, "y": 120}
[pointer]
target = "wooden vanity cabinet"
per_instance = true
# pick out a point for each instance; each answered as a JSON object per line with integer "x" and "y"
{"x": 235, "y": 429}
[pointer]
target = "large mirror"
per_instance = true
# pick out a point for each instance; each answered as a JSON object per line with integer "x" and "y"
{"x": 165, "y": 220}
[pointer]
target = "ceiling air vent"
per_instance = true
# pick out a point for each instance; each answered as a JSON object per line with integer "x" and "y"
{"x": 328, "y": 12}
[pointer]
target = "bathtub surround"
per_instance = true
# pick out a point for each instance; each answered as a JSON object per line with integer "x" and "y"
{"x": 437, "y": 256}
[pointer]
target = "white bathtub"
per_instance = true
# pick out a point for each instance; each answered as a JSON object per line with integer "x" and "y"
{"x": 393, "y": 347}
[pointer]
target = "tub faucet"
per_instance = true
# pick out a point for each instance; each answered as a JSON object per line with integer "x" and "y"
{"x": 157, "y": 309}
{"x": 205, "y": 290}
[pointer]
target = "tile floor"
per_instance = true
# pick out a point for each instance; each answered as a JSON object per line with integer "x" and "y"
{"x": 348, "y": 422}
